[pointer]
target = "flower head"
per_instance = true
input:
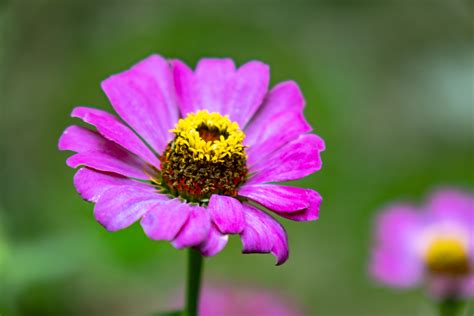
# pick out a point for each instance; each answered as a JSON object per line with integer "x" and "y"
{"x": 433, "y": 245}
{"x": 193, "y": 154}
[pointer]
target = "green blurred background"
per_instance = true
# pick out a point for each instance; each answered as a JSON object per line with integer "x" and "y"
{"x": 388, "y": 85}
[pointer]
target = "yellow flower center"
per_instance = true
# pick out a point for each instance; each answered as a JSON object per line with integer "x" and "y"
{"x": 447, "y": 256}
{"x": 209, "y": 136}
{"x": 206, "y": 157}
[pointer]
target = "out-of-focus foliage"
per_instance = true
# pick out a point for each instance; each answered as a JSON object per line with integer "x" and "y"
{"x": 388, "y": 85}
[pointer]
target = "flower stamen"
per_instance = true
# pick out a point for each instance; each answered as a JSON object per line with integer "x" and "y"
{"x": 206, "y": 157}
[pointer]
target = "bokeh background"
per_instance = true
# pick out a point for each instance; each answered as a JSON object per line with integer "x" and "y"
{"x": 388, "y": 85}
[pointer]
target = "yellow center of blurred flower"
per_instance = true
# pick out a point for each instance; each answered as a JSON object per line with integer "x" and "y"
{"x": 447, "y": 256}
{"x": 206, "y": 157}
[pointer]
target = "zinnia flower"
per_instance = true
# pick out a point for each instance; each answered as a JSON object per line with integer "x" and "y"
{"x": 433, "y": 245}
{"x": 196, "y": 153}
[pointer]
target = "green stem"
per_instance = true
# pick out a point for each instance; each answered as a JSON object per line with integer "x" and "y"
{"x": 194, "y": 282}
{"x": 450, "y": 307}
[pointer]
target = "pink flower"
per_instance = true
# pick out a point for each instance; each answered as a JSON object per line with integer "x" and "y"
{"x": 433, "y": 245}
{"x": 195, "y": 154}
{"x": 219, "y": 301}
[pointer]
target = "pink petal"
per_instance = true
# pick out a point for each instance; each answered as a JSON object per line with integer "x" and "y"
{"x": 246, "y": 93}
{"x": 214, "y": 242}
{"x": 186, "y": 88}
{"x": 119, "y": 207}
{"x": 213, "y": 76}
{"x": 217, "y": 87}
{"x": 165, "y": 220}
{"x": 295, "y": 160}
{"x": 450, "y": 204}
{"x": 108, "y": 162}
{"x": 90, "y": 184}
{"x": 144, "y": 97}
{"x": 80, "y": 139}
{"x": 98, "y": 153}
{"x": 196, "y": 229}
{"x": 263, "y": 234}
{"x": 226, "y": 213}
{"x": 279, "y": 120}
{"x": 395, "y": 269}
{"x": 467, "y": 290}
{"x": 114, "y": 130}
{"x": 398, "y": 226}
{"x": 395, "y": 260}
{"x": 206, "y": 88}
{"x": 290, "y": 202}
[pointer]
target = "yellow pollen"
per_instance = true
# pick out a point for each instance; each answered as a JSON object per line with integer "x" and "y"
{"x": 209, "y": 136}
{"x": 447, "y": 256}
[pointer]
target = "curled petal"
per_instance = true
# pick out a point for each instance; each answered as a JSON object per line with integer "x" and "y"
{"x": 165, "y": 220}
{"x": 227, "y": 214}
{"x": 290, "y": 202}
{"x": 263, "y": 234}
{"x": 119, "y": 207}
{"x": 195, "y": 230}
{"x": 214, "y": 243}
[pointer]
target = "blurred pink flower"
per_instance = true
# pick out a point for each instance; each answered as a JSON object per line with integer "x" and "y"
{"x": 197, "y": 155}
{"x": 227, "y": 301}
{"x": 432, "y": 245}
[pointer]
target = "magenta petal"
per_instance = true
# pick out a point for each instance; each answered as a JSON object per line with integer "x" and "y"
{"x": 80, "y": 139}
{"x": 165, "y": 220}
{"x": 185, "y": 85}
{"x": 206, "y": 88}
{"x": 295, "y": 160}
{"x": 217, "y": 87}
{"x": 108, "y": 162}
{"x": 90, "y": 184}
{"x": 98, "y": 153}
{"x": 213, "y": 76}
{"x": 280, "y": 240}
{"x": 119, "y": 207}
{"x": 246, "y": 93}
{"x": 214, "y": 242}
{"x": 196, "y": 229}
{"x": 227, "y": 214}
{"x": 263, "y": 234}
{"x": 144, "y": 97}
{"x": 114, "y": 130}
{"x": 279, "y": 120}
{"x": 290, "y": 202}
